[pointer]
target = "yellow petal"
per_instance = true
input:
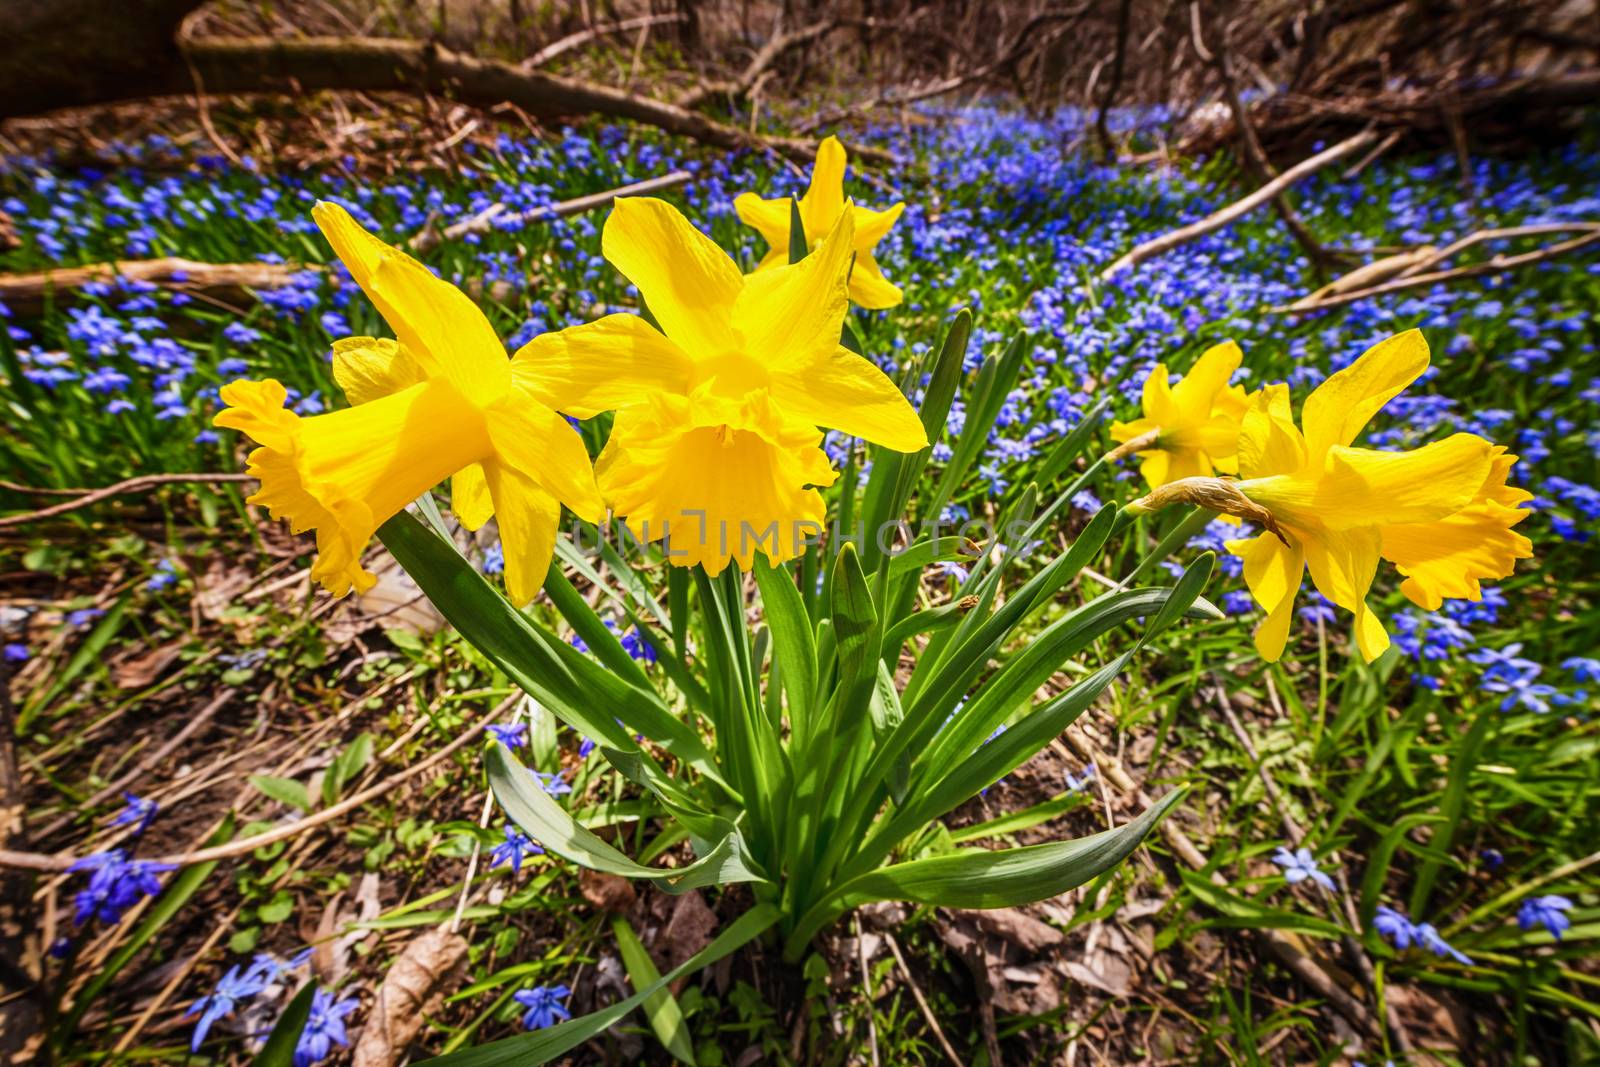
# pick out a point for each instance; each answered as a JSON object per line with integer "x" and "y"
{"x": 1156, "y": 468}
{"x": 1342, "y": 567}
{"x": 435, "y": 317}
{"x": 545, "y": 448}
{"x": 1269, "y": 441}
{"x": 1342, "y": 406}
{"x": 849, "y": 393}
{"x": 1123, "y": 432}
{"x": 869, "y": 288}
{"x": 1363, "y": 486}
{"x": 1272, "y": 570}
{"x": 367, "y": 368}
{"x": 872, "y": 226}
{"x": 769, "y": 218}
{"x": 346, "y": 472}
{"x": 1156, "y": 397}
{"x": 602, "y": 365}
{"x": 714, "y": 495}
{"x": 1207, "y": 380}
{"x": 469, "y": 497}
{"x": 688, "y": 282}
{"x": 791, "y": 317}
{"x": 360, "y": 252}
{"x": 823, "y": 203}
{"x": 528, "y": 518}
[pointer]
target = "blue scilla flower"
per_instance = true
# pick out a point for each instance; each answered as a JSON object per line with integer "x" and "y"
{"x": 116, "y": 884}
{"x": 552, "y": 782}
{"x": 16, "y": 652}
{"x": 510, "y": 734}
{"x": 587, "y": 747}
{"x": 514, "y": 849}
{"x": 165, "y": 576}
{"x": 494, "y": 559}
{"x": 324, "y": 1028}
{"x": 1430, "y": 939}
{"x": 544, "y": 1004}
{"x": 1394, "y": 927}
{"x": 136, "y": 812}
{"x": 232, "y": 988}
{"x": 83, "y": 616}
{"x": 638, "y": 646}
{"x": 1524, "y": 692}
{"x": 1583, "y": 668}
{"x": 1548, "y": 911}
{"x": 1300, "y": 865}
{"x": 1238, "y": 602}
{"x": 1504, "y": 663}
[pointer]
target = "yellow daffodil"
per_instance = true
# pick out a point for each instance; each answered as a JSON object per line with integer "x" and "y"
{"x": 715, "y": 443}
{"x": 820, "y": 209}
{"x": 441, "y": 401}
{"x": 1190, "y": 429}
{"x": 1441, "y": 513}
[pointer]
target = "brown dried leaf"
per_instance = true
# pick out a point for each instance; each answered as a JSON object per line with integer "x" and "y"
{"x": 414, "y": 987}
{"x": 607, "y": 892}
{"x": 141, "y": 671}
{"x": 1015, "y": 927}
{"x": 690, "y": 928}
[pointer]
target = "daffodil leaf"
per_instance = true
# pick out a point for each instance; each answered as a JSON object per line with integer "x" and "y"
{"x": 660, "y": 1008}
{"x": 285, "y": 1036}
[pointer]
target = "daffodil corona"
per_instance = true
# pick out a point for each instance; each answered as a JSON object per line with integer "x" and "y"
{"x": 1190, "y": 429}
{"x": 441, "y": 401}
{"x": 715, "y": 449}
{"x": 820, "y": 208}
{"x": 1442, "y": 513}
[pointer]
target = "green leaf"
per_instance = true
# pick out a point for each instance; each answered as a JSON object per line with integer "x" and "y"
{"x": 285, "y": 1037}
{"x": 551, "y": 826}
{"x": 349, "y": 763}
{"x": 174, "y": 895}
{"x": 88, "y": 654}
{"x": 793, "y": 643}
{"x": 1237, "y": 911}
{"x": 284, "y": 790}
{"x": 976, "y": 878}
{"x": 1072, "y": 445}
{"x": 797, "y": 233}
{"x": 526, "y": 1050}
{"x": 660, "y": 1008}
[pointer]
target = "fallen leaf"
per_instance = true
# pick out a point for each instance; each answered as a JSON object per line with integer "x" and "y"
{"x": 415, "y": 987}
{"x": 141, "y": 671}
{"x": 607, "y": 892}
{"x": 1015, "y": 927}
{"x": 689, "y": 930}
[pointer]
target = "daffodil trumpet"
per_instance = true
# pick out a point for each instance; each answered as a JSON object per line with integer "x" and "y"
{"x": 715, "y": 450}
{"x": 441, "y": 401}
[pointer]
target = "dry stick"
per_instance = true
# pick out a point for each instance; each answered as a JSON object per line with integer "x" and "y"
{"x": 131, "y": 485}
{"x": 770, "y": 53}
{"x": 1353, "y": 948}
{"x": 1239, "y": 208}
{"x": 1493, "y": 265}
{"x": 1290, "y": 955}
{"x": 35, "y": 861}
{"x": 922, "y": 1003}
{"x": 566, "y": 44}
{"x": 485, "y": 220}
{"x": 196, "y": 721}
{"x": 866, "y": 984}
{"x": 477, "y": 843}
{"x": 25, "y": 294}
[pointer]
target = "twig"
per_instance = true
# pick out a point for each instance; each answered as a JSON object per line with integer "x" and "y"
{"x": 130, "y": 485}
{"x": 769, "y": 54}
{"x": 922, "y": 1003}
{"x": 485, "y": 220}
{"x": 1493, "y": 265}
{"x": 1239, "y": 208}
{"x": 566, "y": 44}
{"x": 866, "y": 984}
{"x": 35, "y": 861}
{"x": 25, "y": 294}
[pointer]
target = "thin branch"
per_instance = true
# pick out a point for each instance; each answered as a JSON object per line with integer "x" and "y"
{"x": 130, "y": 485}
{"x": 495, "y": 214}
{"x": 769, "y": 54}
{"x": 563, "y": 45}
{"x": 1239, "y": 208}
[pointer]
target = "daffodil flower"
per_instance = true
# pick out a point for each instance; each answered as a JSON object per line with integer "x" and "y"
{"x": 820, "y": 208}
{"x": 1441, "y": 513}
{"x": 440, "y": 401}
{"x": 715, "y": 448}
{"x": 1190, "y": 429}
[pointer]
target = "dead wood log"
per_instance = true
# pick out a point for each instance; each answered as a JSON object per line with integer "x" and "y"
{"x": 1239, "y": 208}
{"x": 26, "y": 294}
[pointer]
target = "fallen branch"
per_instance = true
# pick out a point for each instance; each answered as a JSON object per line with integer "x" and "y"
{"x": 1411, "y": 280}
{"x": 26, "y": 294}
{"x": 769, "y": 54}
{"x": 131, "y": 485}
{"x": 563, "y": 45}
{"x": 486, "y": 219}
{"x": 1239, "y": 208}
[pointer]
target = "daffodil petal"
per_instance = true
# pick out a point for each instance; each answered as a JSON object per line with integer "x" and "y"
{"x": 469, "y": 497}
{"x": 528, "y": 517}
{"x": 1342, "y": 406}
{"x": 435, "y": 317}
{"x": 1367, "y": 487}
{"x": 360, "y": 252}
{"x": 600, "y": 366}
{"x": 869, "y": 288}
{"x": 1342, "y": 567}
{"x": 544, "y": 447}
{"x": 872, "y": 226}
{"x": 791, "y": 318}
{"x": 368, "y": 368}
{"x": 1156, "y": 397}
{"x": 688, "y": 282}
{"x": 1448, "y": 558}
{"x": 824, "y": 199}
{"x": 848, "y": 393}
{"x": 1273, "y": 571}
{"x": 1269, "y": 442}
{"x": 1207, "y": 379}
{"x": 769, "y": 218}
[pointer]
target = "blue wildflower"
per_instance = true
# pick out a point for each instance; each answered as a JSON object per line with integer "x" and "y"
{"x": 1430, "y": 939}
{"x": 324, "y": 1028}
{"x": 116, "y": 884}
{"x": 1394, "y": 927}
{"x": 514, "y": 849}
{"x": 1300, "y": 865}
{"x": 221, "y": 1001}
{"x": 510, "y": 734}
{"x": 1548, "y": 911}
{"x": 137, "y": 812}
{"x": 544, "y": 1005}
{"x": 16, "y": 652}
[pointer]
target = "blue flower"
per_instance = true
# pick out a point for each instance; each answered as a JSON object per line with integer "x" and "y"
{"x": 324, "y": 1028}
{"x": 16, "y": 652}
{"x": 83, "y": 616}
{"x": 494, "y": 559}
{"x": 137, "y": 813}
{"x": 638, "y": 646}
{"x": 165, "y": 576}
{"x": 544, "y": 1005}
{"x": 1300, "y": 865}
{"x": 1549, "y": 912}
{"x": 513, "y": 850}
{"x": 116, "y": 884}
{"x": 1583, "y": 668}
{"x": 1394, "y": 927}
{"x": 221, "y": 1001}
{"x": 1429, "y": 938}
{"x": 552, "y": 782}
{"x": 511, "y": 734}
